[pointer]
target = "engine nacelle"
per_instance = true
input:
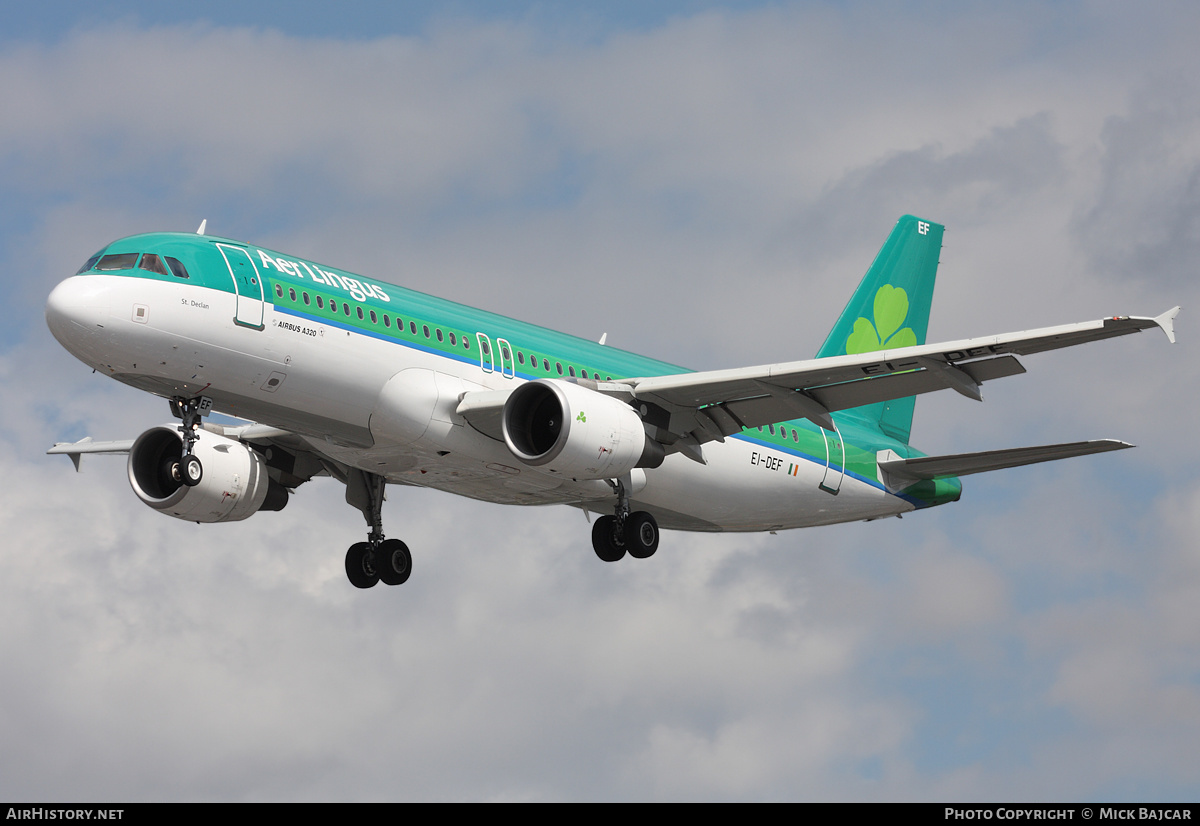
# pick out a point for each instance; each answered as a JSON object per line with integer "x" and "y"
{"x": 580, "y": 433}
{"x": 235, "y": 482}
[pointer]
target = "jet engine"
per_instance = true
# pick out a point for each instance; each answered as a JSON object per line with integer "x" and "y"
{"x": 235, "y": 483}
{"x": 568, "y": 429}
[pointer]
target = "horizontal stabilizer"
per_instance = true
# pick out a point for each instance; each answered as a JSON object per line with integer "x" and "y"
{"x": 904, "y": 472}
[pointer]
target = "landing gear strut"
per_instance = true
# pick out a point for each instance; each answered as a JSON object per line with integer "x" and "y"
{"x": 189, "y": 470}
{"x": 635, "y": 533}
{"x": 377, "y": 559}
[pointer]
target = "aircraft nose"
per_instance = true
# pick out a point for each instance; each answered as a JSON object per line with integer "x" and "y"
{"x": 76, "y": 313}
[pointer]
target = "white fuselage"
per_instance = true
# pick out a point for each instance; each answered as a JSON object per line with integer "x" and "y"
{"x": 389, "y": 408}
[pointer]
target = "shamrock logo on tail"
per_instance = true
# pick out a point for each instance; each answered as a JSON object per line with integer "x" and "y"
{"x": 890, "y": 311}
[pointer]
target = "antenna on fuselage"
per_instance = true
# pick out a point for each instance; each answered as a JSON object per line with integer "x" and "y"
{"x": 603, "y": 337}
{"x": 203, "y": 224}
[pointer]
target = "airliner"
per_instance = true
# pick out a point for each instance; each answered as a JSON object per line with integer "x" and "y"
{"x": 334, "y": 374}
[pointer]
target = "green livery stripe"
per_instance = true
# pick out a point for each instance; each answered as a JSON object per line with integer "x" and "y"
{"x": 306, "y": 290}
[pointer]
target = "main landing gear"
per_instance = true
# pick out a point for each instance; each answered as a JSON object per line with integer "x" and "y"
{"x": 377, "y": 559}
{"x": 188, "y": 469}
{"x": 633, "y": 533}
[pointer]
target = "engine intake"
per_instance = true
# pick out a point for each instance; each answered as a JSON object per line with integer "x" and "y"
{"x": 235, "y": 483}
{"x": 568, "y": 429}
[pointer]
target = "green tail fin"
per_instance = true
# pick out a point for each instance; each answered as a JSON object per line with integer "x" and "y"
{"x": 890, "y": 309}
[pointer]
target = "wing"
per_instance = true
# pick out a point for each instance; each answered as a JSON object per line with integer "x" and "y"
{"x": 290, "y": 459}
{"x": 695, "y": 408}
{"x": 75, "y": 450}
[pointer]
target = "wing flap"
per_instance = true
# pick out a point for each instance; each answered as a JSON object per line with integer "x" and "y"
{"x": 897, "y": 385}
{"x": 996, "y": 368}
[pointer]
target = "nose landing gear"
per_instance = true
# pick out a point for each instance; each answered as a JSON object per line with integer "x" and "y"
{"x": 189, "y": 469}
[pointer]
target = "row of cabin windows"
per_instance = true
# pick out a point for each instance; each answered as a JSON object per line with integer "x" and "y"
{"x": 160, "y": 264}
{"x": 441, "y": 337}
{"x": 363, "y": 315}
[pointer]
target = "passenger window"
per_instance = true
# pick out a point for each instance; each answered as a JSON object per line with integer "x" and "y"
{"x": 520, "y": 357}
{"x": 425, "y": 330}
{"x": 387, "y": 321}
{"x": 412, "y": 327}
{"x": 558, "y": 364}
{"x": 546, "y": 365}
{"x": 484, "y": 346}
{"x": 291, "y": 294}
{"x": 152, "y": 263}
{"x": 466, "y": 343}
{"x": 374, "y": 318}
{"x": 279, "y": 291}
{"x": 117, "y": 261}
{"x": 177, "y": 268}
{"x": 439, "y": 333}
{"x": 571, "y": 370}
{"x": 345, "y": 308}
{"x": 453, "y": 340}
{"x": 360, "y": 313}
{"x": 320, "y": 303}
{"x": 306, "y": 299}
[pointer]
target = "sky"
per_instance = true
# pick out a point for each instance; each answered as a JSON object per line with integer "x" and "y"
{"x": 705, "y": 182}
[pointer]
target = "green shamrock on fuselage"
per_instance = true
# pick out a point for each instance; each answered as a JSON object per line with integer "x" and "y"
{"x": 891, "y": 309}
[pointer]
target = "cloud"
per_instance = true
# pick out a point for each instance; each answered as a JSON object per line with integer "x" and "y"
{"x": 1145, "y": 222}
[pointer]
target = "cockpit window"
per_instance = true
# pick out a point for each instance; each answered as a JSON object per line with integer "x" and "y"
{"x": 117, "y": 261}
{"x": 160, "y": 264}
{"x": 152, "y": 263}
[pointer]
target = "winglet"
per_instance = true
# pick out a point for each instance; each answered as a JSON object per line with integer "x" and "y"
{"x": 203, "y": 224}
{"x": 1167, "y": 322}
